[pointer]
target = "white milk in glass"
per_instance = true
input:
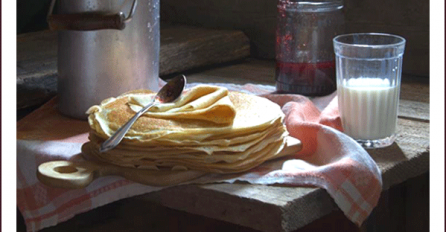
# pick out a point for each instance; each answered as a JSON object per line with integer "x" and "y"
{"x": 368, "y": 107}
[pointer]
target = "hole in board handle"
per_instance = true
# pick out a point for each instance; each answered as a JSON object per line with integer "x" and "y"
{"x": 65, "y": 169}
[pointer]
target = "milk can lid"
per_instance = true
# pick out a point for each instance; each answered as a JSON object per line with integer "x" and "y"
{"x": 313, "y": 5}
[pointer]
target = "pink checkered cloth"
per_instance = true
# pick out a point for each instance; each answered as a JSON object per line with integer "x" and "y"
{"x": 329, "y": 159}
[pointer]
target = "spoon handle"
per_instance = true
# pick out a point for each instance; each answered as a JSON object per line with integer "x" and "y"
{"x": 116, "y": 138}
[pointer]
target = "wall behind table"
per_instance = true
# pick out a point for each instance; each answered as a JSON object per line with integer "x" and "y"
{"x": 257, "y": 18}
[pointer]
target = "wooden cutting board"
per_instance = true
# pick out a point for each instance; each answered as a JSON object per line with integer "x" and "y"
{"x": 79, "y": 174}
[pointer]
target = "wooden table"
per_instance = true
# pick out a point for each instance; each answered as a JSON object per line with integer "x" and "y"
{"x": 245, "y": 207}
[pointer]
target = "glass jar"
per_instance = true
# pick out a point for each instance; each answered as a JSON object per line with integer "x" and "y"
{"x": 305, "y": 61}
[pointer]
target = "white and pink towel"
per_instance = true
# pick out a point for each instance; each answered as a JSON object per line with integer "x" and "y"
{"x": 329, "y": 159}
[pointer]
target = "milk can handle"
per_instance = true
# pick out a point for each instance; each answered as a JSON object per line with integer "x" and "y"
{"x": 88, "y": 21}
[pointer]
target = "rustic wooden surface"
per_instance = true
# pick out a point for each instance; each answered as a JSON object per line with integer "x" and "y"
{"x": 278, "y": 208}
{"x": 258, "y": 19}
{"x": 252, "y": 207}
{"x": 408, "y": 157}
{"x": 182, "y": 48}
{"x": 153, "y": 217}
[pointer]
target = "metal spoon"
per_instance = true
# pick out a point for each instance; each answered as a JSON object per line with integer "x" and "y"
{"x": 169, "y": 93}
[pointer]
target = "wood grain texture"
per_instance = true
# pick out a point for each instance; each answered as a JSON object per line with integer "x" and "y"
{"x": 258, "y": 19}
{"x": 264, "y": 208}
{"x": 408, "y": 156}
{"x": 414, "y": 110}
{"x": 36, "y": 68}
{"x": 182, "y": 48}
{"x": 138, "y": 214}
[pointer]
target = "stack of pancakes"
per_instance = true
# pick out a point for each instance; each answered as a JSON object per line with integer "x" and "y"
{"x": 208, "y": 129}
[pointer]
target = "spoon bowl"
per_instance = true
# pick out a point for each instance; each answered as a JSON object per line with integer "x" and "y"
{"x": 170, "y": 92}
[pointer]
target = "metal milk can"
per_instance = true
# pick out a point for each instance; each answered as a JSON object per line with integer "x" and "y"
{"x": 105, "y": 48}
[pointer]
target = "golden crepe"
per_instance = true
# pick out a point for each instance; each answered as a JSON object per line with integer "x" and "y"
{"x": 208, "y": 129}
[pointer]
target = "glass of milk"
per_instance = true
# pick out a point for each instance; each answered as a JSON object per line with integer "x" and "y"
{"x": 368, "y": 78}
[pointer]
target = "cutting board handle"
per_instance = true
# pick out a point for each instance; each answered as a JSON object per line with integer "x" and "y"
{"x": 80, "y": 173}
{"x": 67, "y": 174}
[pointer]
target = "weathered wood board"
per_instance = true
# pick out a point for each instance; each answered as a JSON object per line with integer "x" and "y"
{"x": 182, "y": 48}
{"x": 274, "y": 208}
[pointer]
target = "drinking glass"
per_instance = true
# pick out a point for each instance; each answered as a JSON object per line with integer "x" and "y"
{"x": 368, "y": 78}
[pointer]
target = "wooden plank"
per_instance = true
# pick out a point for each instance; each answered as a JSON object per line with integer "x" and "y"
{"x": 249, "y": 71}
{"x": 264, "y": 208}
{"x": 136, "y": 214}
{"x": 415, "y": 88}
{"x": 414, "y": 110}
{"x": 182, "y": 48}
{"x": 36, "y": 68}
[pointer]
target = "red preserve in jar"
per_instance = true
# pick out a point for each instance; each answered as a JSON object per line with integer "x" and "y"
{"x": 305, "y": 60}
